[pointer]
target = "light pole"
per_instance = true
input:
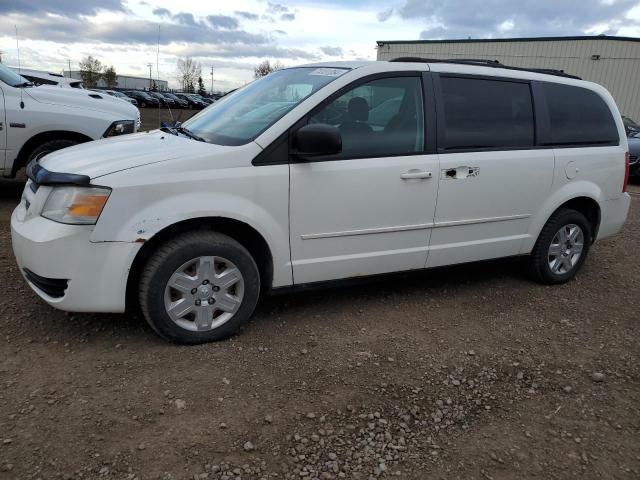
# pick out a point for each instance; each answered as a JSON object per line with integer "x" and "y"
{"x": 150, "y": 80}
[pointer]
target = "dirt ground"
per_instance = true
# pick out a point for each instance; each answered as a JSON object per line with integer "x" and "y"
{"x": 153, "y": 117}
{"x": 470, "y": 372}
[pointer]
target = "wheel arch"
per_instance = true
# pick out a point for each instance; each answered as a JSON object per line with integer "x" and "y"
{"x": 584, "y": 201}
{"x": 42, "y": 137}
{"x": 589, "y": 208}
{"x": 240, "y": 231}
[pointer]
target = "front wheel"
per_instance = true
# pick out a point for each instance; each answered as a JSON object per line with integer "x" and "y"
{"x": 48, "y": 147}
{"x": 199, "y": 287}
{"x": 562, "y": 247}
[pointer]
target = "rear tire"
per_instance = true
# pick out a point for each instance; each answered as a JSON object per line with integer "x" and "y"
{"x": 561, "y": 248}
{"x": 199, "y": 287}
{"x": 48, "y": 147}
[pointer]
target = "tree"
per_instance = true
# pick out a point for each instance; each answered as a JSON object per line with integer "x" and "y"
{"x": 201, "y": 90}
{"x": 188, "y": 72}
{"x": 110, "y": 77}
{"x": 90, "y": 71}
{"x": 265, "y": 68}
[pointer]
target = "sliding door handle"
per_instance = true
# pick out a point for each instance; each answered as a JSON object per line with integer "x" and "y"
{"x": 415, "y": 175}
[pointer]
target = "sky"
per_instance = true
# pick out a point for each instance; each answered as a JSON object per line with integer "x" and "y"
{"x": 234, "y": 36}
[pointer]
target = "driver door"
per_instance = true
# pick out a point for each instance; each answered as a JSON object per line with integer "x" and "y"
{"x": 369, "y": 209}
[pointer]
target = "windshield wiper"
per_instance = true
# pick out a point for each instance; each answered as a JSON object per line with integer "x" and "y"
{"x": 190, "y": 134}
{"x": 170, "y": 130}
{"x": 24, "y": 85}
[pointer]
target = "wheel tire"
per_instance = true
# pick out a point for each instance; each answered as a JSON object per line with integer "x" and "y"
{"x": 168, "y": 259}
{"x": 48, "y": 147}
{"x": 539, "y": 267}
{"x": 143, "y": 104}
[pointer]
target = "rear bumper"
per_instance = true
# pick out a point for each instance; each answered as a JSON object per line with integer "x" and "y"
{"x": 613, "y": 215}
{"x": 67, "y": 270}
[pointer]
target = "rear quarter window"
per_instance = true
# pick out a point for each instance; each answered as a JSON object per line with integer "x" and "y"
{"x": 578, "y": 116}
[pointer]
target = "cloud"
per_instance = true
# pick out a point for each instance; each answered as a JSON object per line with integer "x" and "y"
{"x": 246, "y": 15}
{"x": 247, "y": 51}
{"x": 487, "y": 18}
{"x": 185, "y": 19}
{"x": 288, "y": 17}
{"x": 60, "y": 7}
{"x": 134, "y": 32}
{"x": 276, "y": 8}
{"x": 223, "y": 21}
{"x": 385, "y": 15}
{"x": 332, "y": 51}
{"x": 161, "y": 12}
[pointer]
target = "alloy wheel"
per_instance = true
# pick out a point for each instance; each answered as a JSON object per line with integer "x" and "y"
{"x": 566, "y": 249}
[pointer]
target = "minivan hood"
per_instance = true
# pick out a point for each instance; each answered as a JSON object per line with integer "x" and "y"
{"x": 110, "y": 155}
{"x": 80, "y": 98}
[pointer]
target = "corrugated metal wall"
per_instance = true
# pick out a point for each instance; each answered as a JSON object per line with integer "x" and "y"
{"x": 618, "y": 68}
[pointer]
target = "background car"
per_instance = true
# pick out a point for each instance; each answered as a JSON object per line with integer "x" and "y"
{"x": 205, "y": 100}
{"x": 143, "y": 98}
{"x": 180, "y": 103}
{"x": 630, "y": 125}
{"x": 120, "y": 95}
{"x": 43, "y": 119}
{"x": 164, "y": 101}
{"x": 634, "y": 154}
{"x": 48, "y": 78}
{"x": 192, "y": 101}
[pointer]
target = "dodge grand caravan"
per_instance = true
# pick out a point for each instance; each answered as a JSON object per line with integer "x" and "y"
{"x": 325, "y": 172}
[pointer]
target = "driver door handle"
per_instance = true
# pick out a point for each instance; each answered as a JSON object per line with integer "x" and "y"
{"x": 415, "y": 174}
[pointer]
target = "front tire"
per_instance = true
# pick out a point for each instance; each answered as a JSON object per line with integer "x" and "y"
{"x": 48, "y": 147}
{"x": 562, "y": 247}
{"x": 199, "y": 287}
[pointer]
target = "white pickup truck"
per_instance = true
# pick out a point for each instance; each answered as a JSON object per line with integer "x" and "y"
{"x": 35, "y": 121}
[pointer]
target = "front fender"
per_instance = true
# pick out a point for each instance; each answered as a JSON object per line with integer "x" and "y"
{"x": 569, "y": 191}
{"x": 138, "y": 212}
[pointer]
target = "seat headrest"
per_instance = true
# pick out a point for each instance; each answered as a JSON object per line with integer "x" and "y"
{"x": 358, "y": 109}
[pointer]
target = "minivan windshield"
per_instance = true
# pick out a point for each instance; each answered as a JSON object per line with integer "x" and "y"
{"x": 11, "y": 78}
{"x": 240, "y": 117}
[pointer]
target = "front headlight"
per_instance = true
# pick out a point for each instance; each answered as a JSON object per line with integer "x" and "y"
{"x": 75, "y": 205}
{"x": 120, "y": 127}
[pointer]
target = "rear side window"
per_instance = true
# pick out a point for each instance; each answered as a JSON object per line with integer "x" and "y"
{"x": 578, "y": 116}
{"x": 489, "y": 114}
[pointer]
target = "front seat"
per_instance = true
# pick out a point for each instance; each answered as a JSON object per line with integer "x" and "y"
{"x": 357, "y": 116}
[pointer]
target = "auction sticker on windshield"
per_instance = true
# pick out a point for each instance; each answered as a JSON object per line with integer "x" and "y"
{"x": 329, "y": 72}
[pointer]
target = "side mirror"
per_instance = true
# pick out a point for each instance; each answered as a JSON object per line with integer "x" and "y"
{"x": 317, "y": 139}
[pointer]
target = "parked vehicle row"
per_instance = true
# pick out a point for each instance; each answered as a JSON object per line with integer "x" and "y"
{"x": 322, "y": 173}
{"x": 163, "y": 99}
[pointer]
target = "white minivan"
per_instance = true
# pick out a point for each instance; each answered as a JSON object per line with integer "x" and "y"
{"x": 36, "y": 120}
{"x": 320, "y": 173}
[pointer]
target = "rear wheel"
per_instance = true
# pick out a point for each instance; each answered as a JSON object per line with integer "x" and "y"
{"x": 562, "y": 247}
{"x": 199, "y": 287}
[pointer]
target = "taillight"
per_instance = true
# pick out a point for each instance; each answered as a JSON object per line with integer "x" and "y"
{"x": 626, "y": 172}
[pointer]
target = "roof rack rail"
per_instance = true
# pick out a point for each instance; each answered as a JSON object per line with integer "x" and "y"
{"x": 485, "y": 63}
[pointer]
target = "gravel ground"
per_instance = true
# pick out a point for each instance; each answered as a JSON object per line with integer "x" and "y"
{"x": 469, "y": 372}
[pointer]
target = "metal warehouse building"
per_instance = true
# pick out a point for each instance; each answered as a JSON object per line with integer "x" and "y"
{"x": 613, "y": 62}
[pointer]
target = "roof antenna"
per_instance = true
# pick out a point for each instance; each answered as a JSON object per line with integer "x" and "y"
{"x": 19, "y": 68}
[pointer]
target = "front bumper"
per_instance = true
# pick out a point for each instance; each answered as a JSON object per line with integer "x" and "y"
{"x": 96, "y": 273}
